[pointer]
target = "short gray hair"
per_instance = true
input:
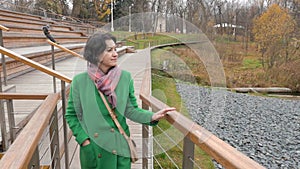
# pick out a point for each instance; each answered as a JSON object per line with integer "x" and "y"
{"x": 96, "y": 45}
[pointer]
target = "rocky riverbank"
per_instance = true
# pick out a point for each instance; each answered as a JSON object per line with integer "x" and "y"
{"x": 265, "y": 129}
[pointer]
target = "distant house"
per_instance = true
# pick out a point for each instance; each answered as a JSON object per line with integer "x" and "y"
{"x": 228, "y": 25}
{"x": 229, "y": 28}
{"x": 161, "y": 24}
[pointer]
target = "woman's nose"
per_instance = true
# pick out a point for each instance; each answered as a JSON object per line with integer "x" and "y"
{"x": 115, "y": 53}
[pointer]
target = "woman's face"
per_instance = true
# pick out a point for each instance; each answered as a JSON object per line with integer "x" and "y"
{"x": 109, "y": 57}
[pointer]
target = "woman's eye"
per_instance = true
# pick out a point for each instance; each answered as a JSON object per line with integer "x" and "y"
{"x": 111, "y": 49}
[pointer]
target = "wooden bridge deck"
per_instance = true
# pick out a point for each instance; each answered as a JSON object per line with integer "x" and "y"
{"x": 38, "y": 82}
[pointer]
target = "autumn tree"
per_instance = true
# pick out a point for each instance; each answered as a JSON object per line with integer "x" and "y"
{"x": 55, "y": 6}
{"x": 272, "y": 31}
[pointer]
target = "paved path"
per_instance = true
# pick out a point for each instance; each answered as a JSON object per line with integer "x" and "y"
{"x": 38, "y": 82}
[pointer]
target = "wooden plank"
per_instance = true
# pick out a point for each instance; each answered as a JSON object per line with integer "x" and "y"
{"x": 262, "y": 89}
{"x": 25, "y": 15}
{"x": 22, "y": 96}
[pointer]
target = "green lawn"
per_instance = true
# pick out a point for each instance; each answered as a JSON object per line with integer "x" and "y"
{"x": 164, "y": 88}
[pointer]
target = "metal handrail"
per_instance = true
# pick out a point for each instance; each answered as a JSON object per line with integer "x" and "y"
{"x": 3, "y": 28}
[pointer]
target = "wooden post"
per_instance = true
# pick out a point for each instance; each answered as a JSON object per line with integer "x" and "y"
{"x": 53, "y": 68}
{"x": 188, "y": 153}
{"x": 3, "y": 61}
{"x": 3, "y": 127}
{"x": 11, "y": 120}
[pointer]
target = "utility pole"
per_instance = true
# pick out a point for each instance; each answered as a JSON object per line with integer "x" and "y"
{"x": 112, "y": 15}
{"x": 129, "y": 29}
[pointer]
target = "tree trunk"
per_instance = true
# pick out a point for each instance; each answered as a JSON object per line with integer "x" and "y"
{"x": 76, "y": 8}
{"x": 64, "y": 7}
{"x": 286, "y": 51}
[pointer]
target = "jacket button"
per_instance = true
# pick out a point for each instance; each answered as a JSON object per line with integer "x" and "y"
{"x": 99, "y": 155}
{"x": 114, "y": 152}
{"x": 96, "y": 135}
{"x": 112, "y": 130}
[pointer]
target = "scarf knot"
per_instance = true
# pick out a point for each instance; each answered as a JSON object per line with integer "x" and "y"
{"x": 106, "y": 83}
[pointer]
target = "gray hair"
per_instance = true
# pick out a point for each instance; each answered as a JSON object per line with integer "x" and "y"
{"x": 95, "y": 46}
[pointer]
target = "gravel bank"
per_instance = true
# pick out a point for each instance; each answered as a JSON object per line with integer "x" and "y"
{"x": 265, "y": 129}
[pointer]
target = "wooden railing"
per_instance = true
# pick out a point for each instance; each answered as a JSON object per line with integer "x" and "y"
{"x": 34, "y": 64}
{"x": 65, "y": 49}
{"x": 23, "y": 153}
{"x": 25, "y": 160}
{"x": 31, "y": 159}
{"x": 4, "y": 28}
{"x": 216, "y": 148}
{"x": 194, "y": 134}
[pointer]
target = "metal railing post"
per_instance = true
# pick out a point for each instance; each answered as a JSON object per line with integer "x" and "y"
{"x": 3, "y": 61}
{"x": 2, "y": 111}
{"x": 188, "y": 153}
{"x": 63, "y": 98}
{"x": 35, "y": 160}
{"x": 53, "y": 67}
{"x": 11, "y": 120}
{"x": 145, "y": 141}
{"x": 54, "y": 144}
{"x": 3, "y": 127}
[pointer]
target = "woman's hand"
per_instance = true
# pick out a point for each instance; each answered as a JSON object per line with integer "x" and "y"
{"x": 86, "y": 142}
{"x": 161, "y": 114}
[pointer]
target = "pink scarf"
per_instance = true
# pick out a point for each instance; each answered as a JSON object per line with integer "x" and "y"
{"x": 106, "y": 83}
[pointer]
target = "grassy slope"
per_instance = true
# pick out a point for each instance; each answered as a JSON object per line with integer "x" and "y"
{"x": 163, "y": 88}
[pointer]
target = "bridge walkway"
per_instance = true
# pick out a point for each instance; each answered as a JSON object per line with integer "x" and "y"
{"x": 39, "y": 82}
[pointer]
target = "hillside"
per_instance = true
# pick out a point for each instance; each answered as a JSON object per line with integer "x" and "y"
{"x": 243, "y": 68}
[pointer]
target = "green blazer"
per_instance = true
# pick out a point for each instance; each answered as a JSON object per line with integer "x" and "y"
{"x": 88, "y": 118}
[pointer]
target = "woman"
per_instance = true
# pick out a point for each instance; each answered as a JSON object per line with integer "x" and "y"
{"x": 101, "y": 144}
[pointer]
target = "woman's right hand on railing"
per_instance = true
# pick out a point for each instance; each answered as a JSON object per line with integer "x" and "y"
{"x": 161, "y": 114}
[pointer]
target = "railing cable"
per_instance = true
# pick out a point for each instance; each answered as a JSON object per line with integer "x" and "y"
{"x": 52, "y": 158}
{"x": 41, "y": 143}
{"x": 155, "y": 159}
{"x": 172, "y": 161}
{"x": 51, "y": 140}
{"x": 194, "y": 162}
{"x": 73, "y": 155}
{"x": 172, "y": 140}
